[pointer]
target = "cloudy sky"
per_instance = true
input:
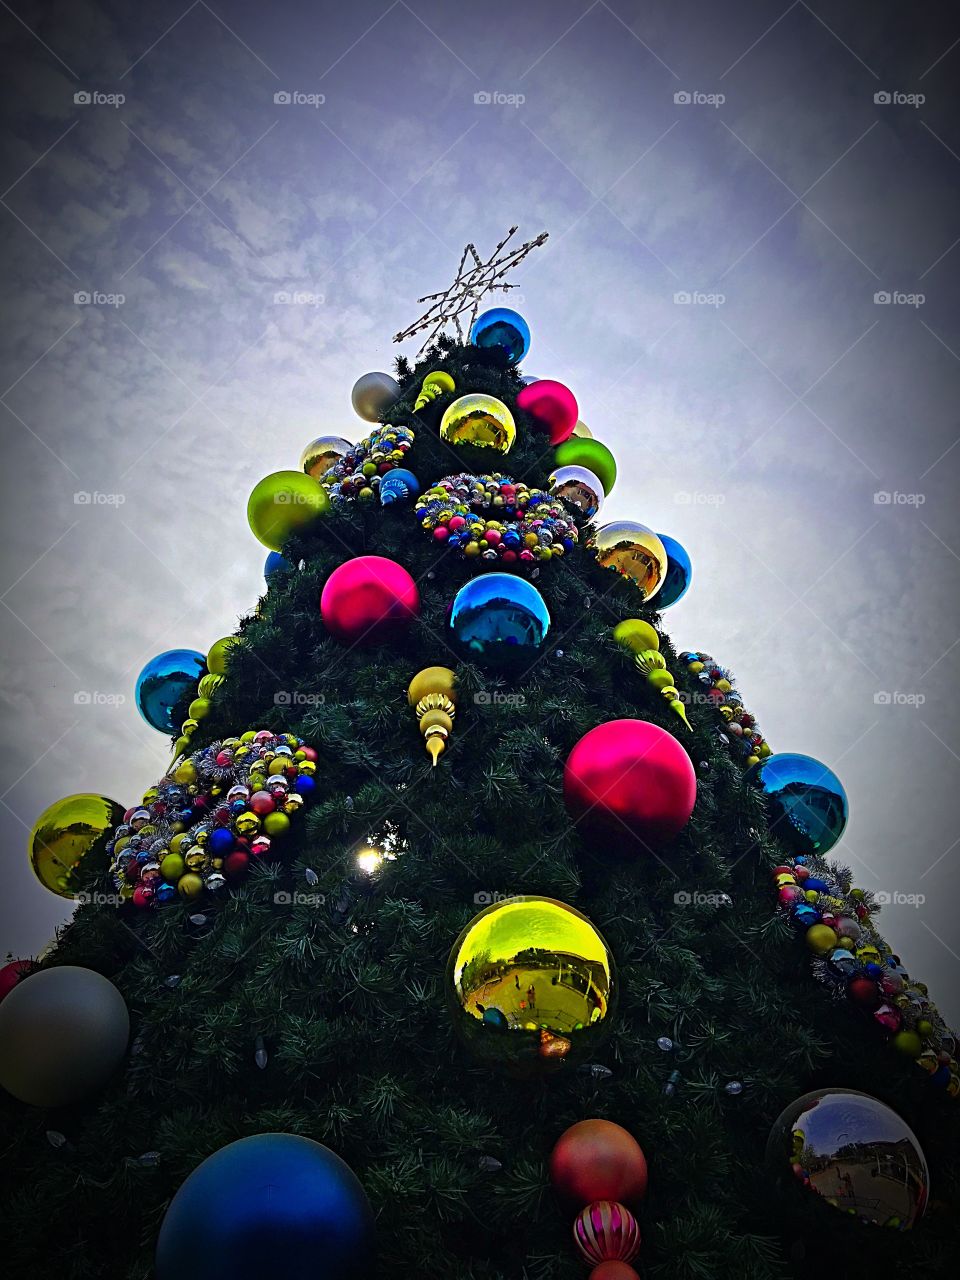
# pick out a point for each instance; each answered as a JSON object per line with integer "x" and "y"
{"x": 750, "y": 285}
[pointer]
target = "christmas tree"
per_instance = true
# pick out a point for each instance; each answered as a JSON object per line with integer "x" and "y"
{"x": 456, "y": 851}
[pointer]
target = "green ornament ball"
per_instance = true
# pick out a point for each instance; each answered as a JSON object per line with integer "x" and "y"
{"x": 284, "y": 503}
{"x": 580, "y": 451}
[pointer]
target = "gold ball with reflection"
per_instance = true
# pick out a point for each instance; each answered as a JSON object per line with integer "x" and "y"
{"x": 633, "y": 551}
{"x": 531, "y": 986}
{"x": 479, "y": 420}
{"x": 68, "y": 842}
{"x": 321, "y": 454}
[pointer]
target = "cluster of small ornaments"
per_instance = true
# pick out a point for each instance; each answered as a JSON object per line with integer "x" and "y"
{"x": 523, "y": 525}
{"x": 213, "y": 813}
{"x": 600, "y": 1165}
{"x": 855, "y": 963}
{"x": 746, "y": 741}
{"x": 366, "y": 470}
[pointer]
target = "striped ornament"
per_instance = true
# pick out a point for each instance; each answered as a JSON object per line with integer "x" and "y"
{"x": 606, "y": 1231}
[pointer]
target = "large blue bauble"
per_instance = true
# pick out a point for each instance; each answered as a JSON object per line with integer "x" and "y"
{"x": 807, "y": 803}
{"x": 503, "y": 330}
{"x": 500, "y": 620}
{"x": 679, "y": 573}
{"x": 163, "y": 682}
{"x": 272, "y": 1205}
{"x": 274, "y": 563}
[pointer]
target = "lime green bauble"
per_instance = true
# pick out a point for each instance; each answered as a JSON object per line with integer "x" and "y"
{"x": 284, "y": 503}
{"x": 581, "y": 451}
{"x": 217, "y": 655}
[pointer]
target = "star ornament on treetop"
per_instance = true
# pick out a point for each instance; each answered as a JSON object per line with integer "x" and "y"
{"x": 470, "y": 285}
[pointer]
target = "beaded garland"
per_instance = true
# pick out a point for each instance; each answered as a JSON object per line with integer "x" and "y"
{"x": 496, "y": 518}
{"x": 747, "y": 743}
{"x": 357, "y": 474}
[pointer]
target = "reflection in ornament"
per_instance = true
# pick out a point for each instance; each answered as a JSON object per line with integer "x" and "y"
{"x": 480, "y": 420}
{"x": 321, "y": 454}
{"x": 808, "y": 805}
{"x": 499, "y": 619}
{"x": 531, "y": 985}
{"x": 633, "y": 551}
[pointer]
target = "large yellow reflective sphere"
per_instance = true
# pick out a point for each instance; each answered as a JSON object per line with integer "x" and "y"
{"x": 531, "y": 986}
{"x": 68, "y": 842}
{"x": 632, "y": 550}
{"x": 479, "y": 420}
{"x": 636, "y": 635}
{"x": 283, "y": 503}
{"x": 320, "y": 454}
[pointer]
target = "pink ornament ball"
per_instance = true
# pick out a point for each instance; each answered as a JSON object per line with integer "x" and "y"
{"x": 262, "y": 803}
{"x": 369, "y": 600}
{"x": 553, "y": 405}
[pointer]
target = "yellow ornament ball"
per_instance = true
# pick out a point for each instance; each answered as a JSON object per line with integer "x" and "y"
{"x": 440, "y": 379}
{"x": 247, "y": 823}
{"x": 68, "y": 841}
{"x": 276, "y": 824}
{"x": 172, "y": 867}
{"x": 285, "y": 503}
{"x": 583, "y": 431}
{"x": 908, "y": 1042}
{"x": 209, "y": 684}
{"x": 925, "y": 1027}
{"x": 199, "y": 708}
{"x": 480, "y": 420}
{"x": 821, "y": 939}
{"x": 432, "y": 680}
{"x": 181, "y": 842}
{"x": 217, "y": 655}
{"x": 695, "y": 667}
{"x": 636, "y": 635}
{"x": 660, "y": 679}
{"x": 633, "y": 551}
{"x": 185, "y": 773}
{"x": 190, "y": 885}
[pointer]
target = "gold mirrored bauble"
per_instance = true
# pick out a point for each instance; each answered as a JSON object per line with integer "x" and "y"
{"x": 632, "y": 550}
{"x": 855, "y": 1153}
{"x": 479, "y": 420}
{"x": 68, "y": 842}
{"x": 321, "y": 454}
{"x": 531, "y": 985}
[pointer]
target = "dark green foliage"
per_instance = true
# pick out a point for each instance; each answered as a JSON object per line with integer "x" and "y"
{"x": 347, "y": 993}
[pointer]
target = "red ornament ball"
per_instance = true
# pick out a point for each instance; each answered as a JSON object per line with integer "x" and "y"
{"x": 606, "y": 1231}
{"x": 236, "y": 865}
{"x": 629, "y": 781}
{"x": 598, "y": 1160}
{"x": 11, "y": 974}
{"x": 553, "y": 405}
{"x": 369, "y": 600}
{"x": 864, "y": 991}
{"x": 614, "y": 1271}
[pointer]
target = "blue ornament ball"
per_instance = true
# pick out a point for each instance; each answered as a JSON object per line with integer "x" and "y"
{"x": 164, "y": 681}
{"x": 222, "y": 841}
{"x": 500, "y": 620}
{"x": 501, "y": 329}
{"x": 274, "y": 563}
{"x": 306, "y": 785}
{"x": 271, "y": 1205}
{"x": 676, "y": 580}
{"x": 807, "y": 803}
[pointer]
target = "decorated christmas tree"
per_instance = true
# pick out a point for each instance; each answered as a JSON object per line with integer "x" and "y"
{"x": 474, "y": 929}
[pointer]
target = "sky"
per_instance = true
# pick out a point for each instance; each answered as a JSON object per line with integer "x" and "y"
{"x": 215, "y": 218}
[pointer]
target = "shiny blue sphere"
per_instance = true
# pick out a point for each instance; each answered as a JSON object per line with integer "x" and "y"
{"x": 164, "y": 681}
{"x": 271, "y": 1205}
{"x": 274, "y": 563}
{"x": 806, "y": 800}
{"x": 222, "y": 841}
{"x": 501, "y": 329}
{"x": 676, "y": 580}
{"x": 500, "y": 620}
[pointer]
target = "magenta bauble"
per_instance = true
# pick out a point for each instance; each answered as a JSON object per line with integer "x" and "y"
{"x": 554, "y": 407}
{"x": 369, "y": 600}
{"x": 629, "y": 783}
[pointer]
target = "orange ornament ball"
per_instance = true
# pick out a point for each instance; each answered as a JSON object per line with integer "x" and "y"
{"x": 598, "y": 1160}
{"x": 614, "y": 1271}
